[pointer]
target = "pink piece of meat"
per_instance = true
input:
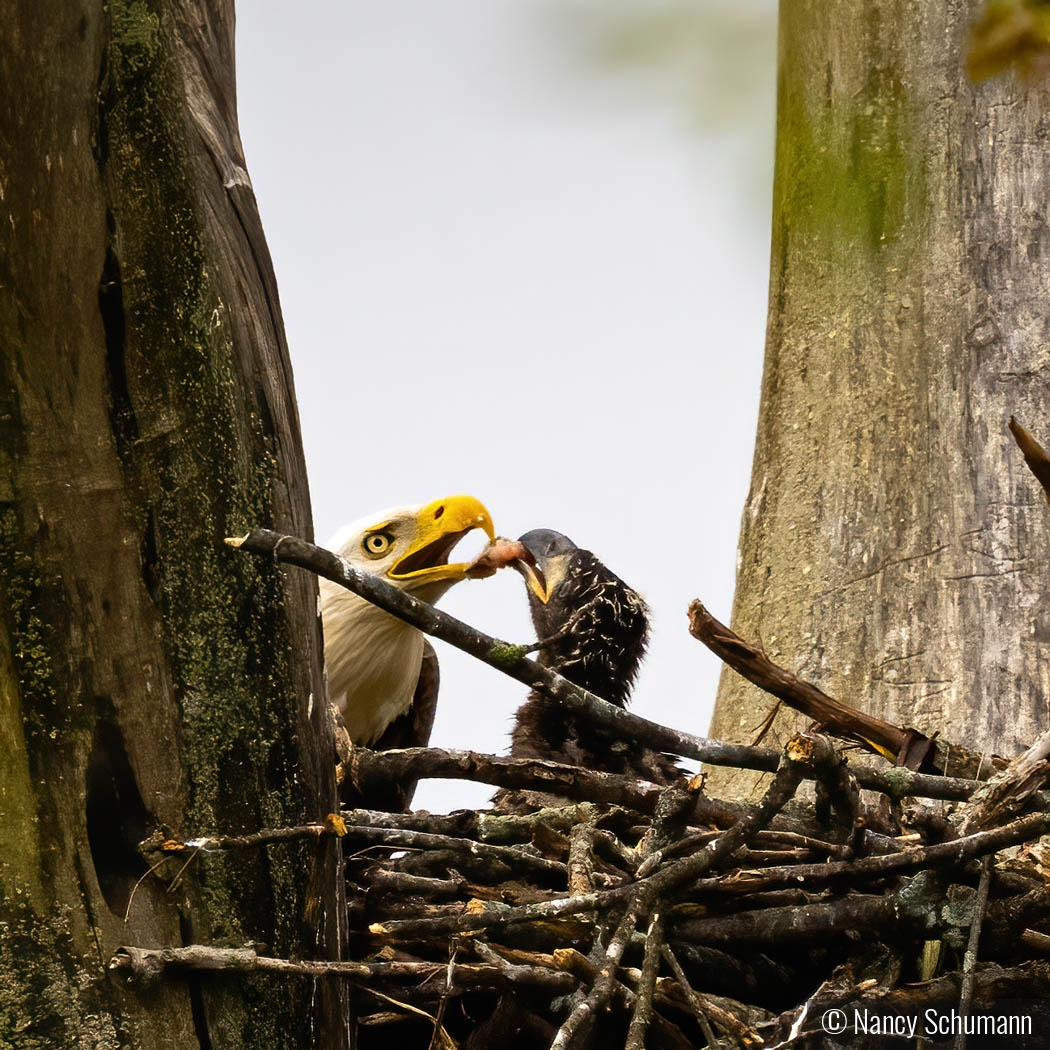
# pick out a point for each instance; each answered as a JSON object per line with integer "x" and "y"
{"x": 497, "y": 555}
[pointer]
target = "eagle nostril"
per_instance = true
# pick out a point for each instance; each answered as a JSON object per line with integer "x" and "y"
{"x": 438, "y": 513}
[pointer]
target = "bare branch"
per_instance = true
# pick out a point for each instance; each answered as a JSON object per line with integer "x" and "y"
{"x": 149, "y": 964}
{"x": 594, "y": 786}
{"x": 855, "y": 873}
{"x": 969, "y": 972}
{"x": 1034, "y": 455}
{"x": 709, "y": 1012}
{"x": 643, "y": 1008}
{"x": 907, "y": 747}
{"x": 503, "y": 656}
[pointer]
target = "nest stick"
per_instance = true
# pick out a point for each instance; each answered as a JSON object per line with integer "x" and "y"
{"x": 643, "y": 1007}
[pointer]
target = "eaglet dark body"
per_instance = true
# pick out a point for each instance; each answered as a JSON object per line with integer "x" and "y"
{"x": 594, "y": 630}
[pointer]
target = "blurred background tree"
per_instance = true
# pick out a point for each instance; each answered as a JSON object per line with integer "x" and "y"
{"x": 894, "y": 546}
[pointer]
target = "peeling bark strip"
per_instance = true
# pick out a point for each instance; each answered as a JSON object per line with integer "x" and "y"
{"x": 908, "y": 747}
{"x": 145, "y": 404}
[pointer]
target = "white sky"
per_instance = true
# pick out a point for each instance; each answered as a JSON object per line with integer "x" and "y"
{"x": 511, "y": 270}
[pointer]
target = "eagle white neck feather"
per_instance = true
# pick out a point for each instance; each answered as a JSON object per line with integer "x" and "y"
{"x": 373, "y": 662}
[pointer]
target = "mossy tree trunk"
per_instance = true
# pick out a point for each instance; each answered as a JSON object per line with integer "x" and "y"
{"x": 149, "y": 677}
{"x": 894, "y": 547}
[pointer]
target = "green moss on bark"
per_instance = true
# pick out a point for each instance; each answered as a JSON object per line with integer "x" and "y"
{"x": 201, "y": 472}
{"x": 47, "y": 1000}
{"x": 848, "y": 172}
{"x": 30, "y": 641}
{"x": 20, "y": 865}
{"x": 135, "y": 33}
{"x": 191, "y": 457}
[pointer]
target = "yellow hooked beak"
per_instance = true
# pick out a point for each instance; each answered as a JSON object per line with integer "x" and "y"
{"x": 535, "y": 580}
{"x": 543, "y": 582}
{"x": 439, "y": 527}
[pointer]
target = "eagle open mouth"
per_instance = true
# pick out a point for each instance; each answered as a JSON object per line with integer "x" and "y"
{"x": 430, "y": 556}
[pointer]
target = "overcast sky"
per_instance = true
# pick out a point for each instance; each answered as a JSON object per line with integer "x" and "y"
{"x": 514, "y": 268}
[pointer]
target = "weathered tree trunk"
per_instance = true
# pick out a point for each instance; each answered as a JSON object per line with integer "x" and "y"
{"x": 894, "y": 547}
{"x": 148, "y": 677}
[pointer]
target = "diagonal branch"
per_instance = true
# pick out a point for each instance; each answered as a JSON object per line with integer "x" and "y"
{"x": 1034, "y": 455}
{"x": 648, "y": 892}
{"x": 1009, "y": 790}
{"x": 707, "y": 1011}
{"x": 952, "y": 854}
{"x": 907, "y": 747}
{"x": 969, "y": 971}
{"x": 510, "y": 659}
{"x": 643, "y": 1007}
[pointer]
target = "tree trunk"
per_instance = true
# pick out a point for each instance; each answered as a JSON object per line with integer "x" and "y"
{"x": 894, "y": 546}
{"x": 149, "y": 678}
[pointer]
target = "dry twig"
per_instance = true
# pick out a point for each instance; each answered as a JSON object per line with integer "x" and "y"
{"x": 906, "y": 747}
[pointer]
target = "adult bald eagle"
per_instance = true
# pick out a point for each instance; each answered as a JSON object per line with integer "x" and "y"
{"x": 593, "y": 629}
{"x": 382, "y": 673}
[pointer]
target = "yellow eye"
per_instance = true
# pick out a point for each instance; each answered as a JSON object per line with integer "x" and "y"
{"x": 377, "y": 544}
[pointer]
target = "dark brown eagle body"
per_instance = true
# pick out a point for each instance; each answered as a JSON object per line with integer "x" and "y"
{"x": 593, "y": 630}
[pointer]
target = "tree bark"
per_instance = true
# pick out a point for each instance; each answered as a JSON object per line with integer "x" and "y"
{"x": 894, "y": 546}
{"x": 149, "y": 677}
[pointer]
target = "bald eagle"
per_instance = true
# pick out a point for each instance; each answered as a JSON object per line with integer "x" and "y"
{"x": 593, "y": 630}
{"x": 382, "y": 673}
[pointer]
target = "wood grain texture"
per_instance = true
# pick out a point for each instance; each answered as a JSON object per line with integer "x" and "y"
{"x": 893, "y": 545}
{"x": 147, "y": 676}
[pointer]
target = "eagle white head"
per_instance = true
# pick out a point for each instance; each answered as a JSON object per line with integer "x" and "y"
{"x": 373, "y": 659}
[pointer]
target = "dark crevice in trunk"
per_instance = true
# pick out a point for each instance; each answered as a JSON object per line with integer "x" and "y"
{"x": 193, "y": 980}
{"x": 117, "y": 818}
{"x": 262, "y": 403}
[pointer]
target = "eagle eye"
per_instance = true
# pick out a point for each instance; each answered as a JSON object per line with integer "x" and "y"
{"x": 377, "y": 544}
